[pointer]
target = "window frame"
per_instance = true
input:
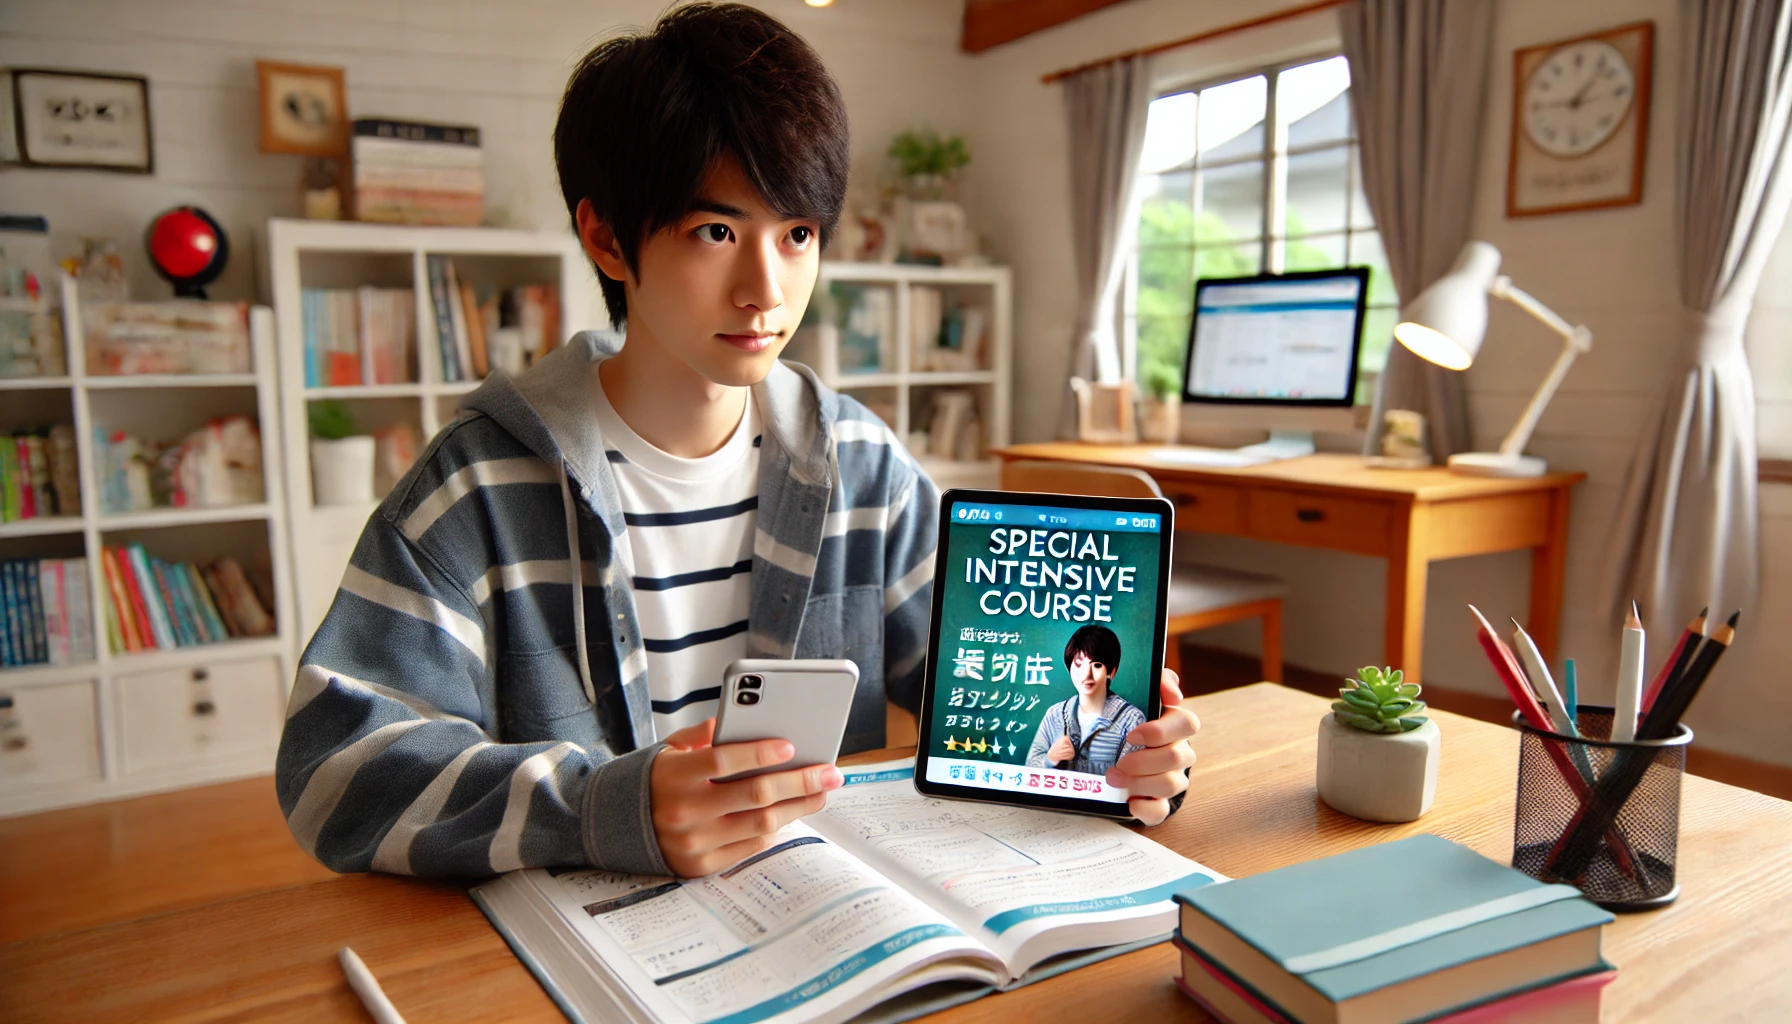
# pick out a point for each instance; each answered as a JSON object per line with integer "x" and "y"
{"x": 1271, "y": 242}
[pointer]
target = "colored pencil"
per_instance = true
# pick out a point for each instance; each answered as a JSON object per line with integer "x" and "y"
{"x": 1543, "y": 682}
{"x": 1677, "y": 659}
{"x": 1665, "y": 717}
{"x": 1630, "y": 679}
{"x": 1570, "y": 692}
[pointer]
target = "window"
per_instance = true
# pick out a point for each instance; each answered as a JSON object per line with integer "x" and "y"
{"x": 1222, "y": 196}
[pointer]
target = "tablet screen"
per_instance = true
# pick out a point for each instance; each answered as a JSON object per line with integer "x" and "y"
{"x": 1046, "y": 646}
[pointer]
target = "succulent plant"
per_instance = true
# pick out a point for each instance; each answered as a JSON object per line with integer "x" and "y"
{"x": 1378, "y": 701}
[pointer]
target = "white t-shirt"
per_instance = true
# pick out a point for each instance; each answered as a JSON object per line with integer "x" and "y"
{"x": 1085, "y": 720}
{"x": 688, "y": 547}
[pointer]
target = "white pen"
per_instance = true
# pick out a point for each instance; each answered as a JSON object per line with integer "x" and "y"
{"x": 372, "y": 996}
{"x": 1539, "y": 672}
{"x": 1630, "y": 679}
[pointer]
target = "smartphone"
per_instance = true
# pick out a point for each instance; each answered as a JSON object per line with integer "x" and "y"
{"x": 804, "y": 701}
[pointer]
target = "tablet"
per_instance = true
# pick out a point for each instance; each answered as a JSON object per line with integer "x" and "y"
{"x": 1046, "y": 646}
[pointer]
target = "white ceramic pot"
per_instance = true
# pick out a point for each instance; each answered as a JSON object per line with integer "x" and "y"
{"x": 1162, "y": 422}
{"x": 342, "y": 471}
{"x": 1378, "y": 776}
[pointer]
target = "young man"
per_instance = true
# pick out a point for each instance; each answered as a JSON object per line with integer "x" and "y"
{"x": 522, "y": 662}
{"x": 1089, "y": 731}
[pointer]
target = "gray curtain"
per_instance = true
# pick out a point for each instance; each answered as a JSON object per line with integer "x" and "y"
{"x": 1104, "y": 112}
{"x": 1687, "y": 532}
{"x": 1418, "y": 76}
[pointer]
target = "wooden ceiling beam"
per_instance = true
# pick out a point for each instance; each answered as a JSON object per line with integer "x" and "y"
{"x": 990, "y": 23}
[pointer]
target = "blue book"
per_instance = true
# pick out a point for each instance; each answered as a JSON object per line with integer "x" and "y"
{"x": 1408, "y": 930}
{"x": 8, "y": 653}
{"x": 34, "y": 600}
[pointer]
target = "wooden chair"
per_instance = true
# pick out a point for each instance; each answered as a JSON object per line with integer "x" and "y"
{"x": 1201, "y": 596}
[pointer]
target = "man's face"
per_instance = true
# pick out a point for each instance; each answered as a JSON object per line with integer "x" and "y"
{"x": 1090, "y": 677}
{"x": 723, "y": 287}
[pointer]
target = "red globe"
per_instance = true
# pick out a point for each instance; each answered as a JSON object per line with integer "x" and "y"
{"x": 182, "y": 244}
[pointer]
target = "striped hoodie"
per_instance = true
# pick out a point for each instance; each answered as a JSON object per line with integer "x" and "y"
{"x": 465, "y": 710}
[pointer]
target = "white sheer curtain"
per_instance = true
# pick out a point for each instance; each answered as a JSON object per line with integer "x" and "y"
{"x": 1104, "y": 111}
{"x": 1687, "y": 532}
{"x": 1418, "y": 77}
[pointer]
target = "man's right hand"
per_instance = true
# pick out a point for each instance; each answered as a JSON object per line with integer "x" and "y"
{"x": 1061, "y": 751}
{"x": 704, "y": 826}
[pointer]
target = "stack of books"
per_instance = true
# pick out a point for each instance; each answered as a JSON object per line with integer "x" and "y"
{"x": 1419, "y": 929}
{"x": 409, "y": 172}
{"x": 215, "y": 466}
{"x": 184, "y": 336}
{"x": 155, "y": 605}
{"x": 37, "y": 475}
{"x": 45, "y": 615}
{"x": 359, "y": 336}
{"x": 506, "y": 329}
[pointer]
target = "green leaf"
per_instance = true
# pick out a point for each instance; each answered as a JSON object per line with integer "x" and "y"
{"x": 1396, "y": 707}
{"x": 1409, "y": 724}
{"x": 1343, "y": 708}
{"x": 1417, "y": 706}
{"x": 1362, "y": 722}
{"x": 1394, "y": 675}
{"x": 1368, "y": 704}
{"x": 1409, "y": 689}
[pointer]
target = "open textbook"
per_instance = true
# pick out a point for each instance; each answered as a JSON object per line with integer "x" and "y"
{"x": 884, "y": 906}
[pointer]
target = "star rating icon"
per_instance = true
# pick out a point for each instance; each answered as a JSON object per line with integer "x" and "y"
{"x": 982, "y": 747}
{"x": 952, "y": 744}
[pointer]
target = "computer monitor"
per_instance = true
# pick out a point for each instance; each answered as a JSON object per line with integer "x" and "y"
{"x": 1276, "y": 352}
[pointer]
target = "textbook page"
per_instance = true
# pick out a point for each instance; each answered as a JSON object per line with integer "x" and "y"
{"x": 1030, "y": 884}
{"x": 801, "y": 932}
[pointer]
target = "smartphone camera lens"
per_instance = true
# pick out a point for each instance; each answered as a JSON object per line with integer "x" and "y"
{"x": 750, "y": 682}
{"x": 746, "y": 697}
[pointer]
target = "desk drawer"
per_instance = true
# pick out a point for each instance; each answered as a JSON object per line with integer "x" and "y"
{"x": 182, "y": 716}
{"x": 49, "y": 734}
{"x": 1206, "y": 508}
{"x": 1319, "y": 521}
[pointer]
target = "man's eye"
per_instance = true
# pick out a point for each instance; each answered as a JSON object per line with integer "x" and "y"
{"x": 801, "y": 235}
{"x": 717, "y": 233}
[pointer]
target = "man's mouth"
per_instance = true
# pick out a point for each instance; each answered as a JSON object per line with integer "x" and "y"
{"x": 751, "y": 341}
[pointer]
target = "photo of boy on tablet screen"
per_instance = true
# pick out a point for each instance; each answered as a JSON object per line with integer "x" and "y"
{"x": 1087, "y": 732}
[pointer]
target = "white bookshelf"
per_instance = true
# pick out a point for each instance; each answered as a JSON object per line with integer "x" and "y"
{"x": 338, "y": 254}
{"x": 129, "y": 723}
{"x": 909, "y": 388}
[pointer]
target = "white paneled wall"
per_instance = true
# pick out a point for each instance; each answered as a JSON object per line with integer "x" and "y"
{"x": 498, "y": 65}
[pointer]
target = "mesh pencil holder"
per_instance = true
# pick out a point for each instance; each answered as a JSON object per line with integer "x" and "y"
{"x": 1601, "y": 816}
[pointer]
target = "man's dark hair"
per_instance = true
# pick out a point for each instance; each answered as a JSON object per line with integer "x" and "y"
{"x": 646, "y": 115}
{"x": 1098, "y": 643}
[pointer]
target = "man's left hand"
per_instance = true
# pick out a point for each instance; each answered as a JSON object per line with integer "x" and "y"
{"x": 1158, "y": 772}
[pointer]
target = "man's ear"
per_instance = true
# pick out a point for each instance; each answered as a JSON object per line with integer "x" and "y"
{"x": 600, "y": 242}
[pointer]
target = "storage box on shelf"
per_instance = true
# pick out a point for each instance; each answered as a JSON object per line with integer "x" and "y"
{"x": 89, "y": 722}
{"x": 926, "y": 348}
{"x": 479, "y": 299}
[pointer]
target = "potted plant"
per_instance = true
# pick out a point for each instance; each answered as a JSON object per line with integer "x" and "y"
{"x": 1162, "y": 421}
{"x": 341, "y": 460}
{"x": 1377, "y": 752}
{"x": 933, "y": 229}
{"x": 928, "y": 162}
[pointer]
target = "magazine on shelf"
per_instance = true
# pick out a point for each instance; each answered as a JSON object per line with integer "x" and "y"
{"x": 887, "y": 904}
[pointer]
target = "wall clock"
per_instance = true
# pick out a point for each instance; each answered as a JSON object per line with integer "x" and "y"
{"x": 1580, "y": 122}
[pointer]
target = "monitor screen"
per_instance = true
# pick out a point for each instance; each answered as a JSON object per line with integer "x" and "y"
{"x": 1277, "y": 338}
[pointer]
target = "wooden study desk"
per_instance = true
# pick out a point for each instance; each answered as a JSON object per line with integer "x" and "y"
{"x": 1411, "y": 517}
{"x": 1719, "y": 953}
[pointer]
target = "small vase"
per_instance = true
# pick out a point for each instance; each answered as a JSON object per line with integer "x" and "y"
{"x": 1388, "y": 777}
{"x": 1162, "y": 422}
{"x": 342, "y": 470}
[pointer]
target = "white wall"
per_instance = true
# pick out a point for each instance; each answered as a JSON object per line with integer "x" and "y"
{"x": 498, "y": 65}
{"x": 1614, "y": 270}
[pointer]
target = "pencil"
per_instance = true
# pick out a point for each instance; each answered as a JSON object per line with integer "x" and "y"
{"x": 1570, "y": 693}
{"x": 1677, "y": 659}
{"x": 1542, "y": 682}
{"x": 1630, "y": 679}
{"x": 1665, "y": 716}
{"x": 368, "y": 989}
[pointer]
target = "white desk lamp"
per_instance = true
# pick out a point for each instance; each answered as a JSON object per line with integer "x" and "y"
{"x": 1446, "y": 324}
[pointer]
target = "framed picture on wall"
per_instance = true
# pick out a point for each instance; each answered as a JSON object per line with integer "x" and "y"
{"x": 88, "y": 120}
{"x": 304, "y": 110}
{"x": 1580, "y": 122}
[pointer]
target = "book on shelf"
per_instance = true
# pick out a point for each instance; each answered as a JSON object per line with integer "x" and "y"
{"x": 185, "y": 336}
{"x": 509, "y": 329}
{"x": 412, "y": 172}
{"x": 38, "y": 475}
{"x": 45, "y": 616}
{"x": 153, "y": 604}
{"x": 887, "y": 901}
{"x": 215, "y": 466}
{"x": 1456, "y": 937}
{"x": 358, "y": 336}
{"x": 865, "y": 318}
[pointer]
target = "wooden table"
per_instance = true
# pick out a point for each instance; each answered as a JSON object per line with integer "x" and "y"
{"x": 1719, "y": 953}
{"x": 1409, "y": 517}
